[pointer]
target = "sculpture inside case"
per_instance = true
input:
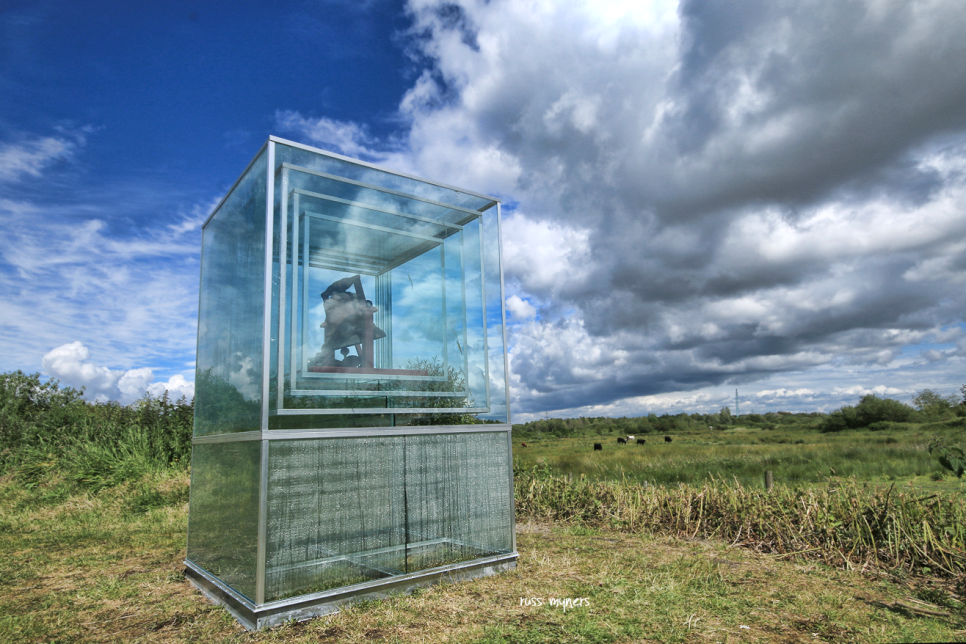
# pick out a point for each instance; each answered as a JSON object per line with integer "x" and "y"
{"x": 402, "y": 326}
{"x": 348, "y": 323}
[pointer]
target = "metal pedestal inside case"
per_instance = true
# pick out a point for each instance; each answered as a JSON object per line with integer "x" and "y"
{"x": 352, "y": 427}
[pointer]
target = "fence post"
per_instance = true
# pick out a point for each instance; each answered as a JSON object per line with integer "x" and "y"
{"x": 768, "y": 480}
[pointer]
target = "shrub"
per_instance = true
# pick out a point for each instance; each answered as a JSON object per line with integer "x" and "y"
{"x": 871, "y": 410}
{"x": 46, "y": 430}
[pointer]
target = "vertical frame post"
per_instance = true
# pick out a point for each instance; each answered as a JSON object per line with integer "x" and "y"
{"x": 304, "y": 339}
{"x": 263, "y": 526}
{"x": 442, "y": 271}
{"x": 506, "y": 347}
{"x": 293, "y": 358}
{"x": 266, "y": 380}
{"x": 282, "y": 284}
{"x": 466, "y": 348}
{"x": 486, "y": 328}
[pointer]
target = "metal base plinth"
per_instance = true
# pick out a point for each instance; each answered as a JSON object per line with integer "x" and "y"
{"x": 256, "y": 617}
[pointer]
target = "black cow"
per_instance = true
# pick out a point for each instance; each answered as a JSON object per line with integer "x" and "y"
{"x": 622, "y": 441}
{"x": 598, "y": 447}
{"x": 667, "y": 439}
{"x": 641, "y": 441}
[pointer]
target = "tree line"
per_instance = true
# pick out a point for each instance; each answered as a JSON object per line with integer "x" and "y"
{"x": 870, "y": 412}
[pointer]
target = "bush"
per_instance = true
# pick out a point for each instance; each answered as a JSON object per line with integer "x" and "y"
{"x": 871, "y": 410}
{"x": 46, "y": 430}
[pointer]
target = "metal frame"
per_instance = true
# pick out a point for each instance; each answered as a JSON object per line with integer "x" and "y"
{"x": 255, "y": 612}
{"x": 265, "y": 615}
{"x": 330, "y": 411}
{"x": 360, "y": 432}
{"x": 366, "y": 164}
{"x": 297, "y": 355}
{"x": 506, "y": 374}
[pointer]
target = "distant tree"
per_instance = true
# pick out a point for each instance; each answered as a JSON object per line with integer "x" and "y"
{"x": 725, "y": 414}
{"x": 933, "y": 404}
{"x": 872, "y": 409}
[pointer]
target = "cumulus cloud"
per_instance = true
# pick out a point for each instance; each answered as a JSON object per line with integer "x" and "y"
{"x": 70, "y": 364}
{"x": 704, "y": 193}
{"x": 519, "y": 308}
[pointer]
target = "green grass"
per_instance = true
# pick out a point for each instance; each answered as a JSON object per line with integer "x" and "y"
{"x": 104, "y": 567}
{"x": 794, "y": 456}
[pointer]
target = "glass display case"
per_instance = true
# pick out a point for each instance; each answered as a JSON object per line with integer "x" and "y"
{"x": 352, "y": 429}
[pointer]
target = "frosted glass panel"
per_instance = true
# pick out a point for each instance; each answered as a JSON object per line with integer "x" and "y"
{"x": 348, "y": 510}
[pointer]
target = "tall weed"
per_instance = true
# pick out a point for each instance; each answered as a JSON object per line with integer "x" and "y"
{"x": 843, "y": 524}
{"x": 48, "y": 431}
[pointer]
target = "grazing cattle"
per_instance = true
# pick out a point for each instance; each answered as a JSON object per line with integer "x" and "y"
{"x": 629, "y": 438}
{"x": 667, "y": 439}
{"x": 641, "y": 441}
{"x": 523, "y": 444}
{"x": 622, "y": 441}
{"x": 598, "y": 447}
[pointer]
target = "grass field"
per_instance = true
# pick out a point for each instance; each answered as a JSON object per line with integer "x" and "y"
{"x": 107, "y": 568}
{"x": 794, "y": 456}
{"x": 863, "y": 537}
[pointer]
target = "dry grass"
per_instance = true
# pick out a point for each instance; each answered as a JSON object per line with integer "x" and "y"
{"x": 92, "y": 570}
{"x": 844, "y": 524}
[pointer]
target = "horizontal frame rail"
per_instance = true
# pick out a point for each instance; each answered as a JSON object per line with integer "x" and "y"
{"x": 351, "y": 432}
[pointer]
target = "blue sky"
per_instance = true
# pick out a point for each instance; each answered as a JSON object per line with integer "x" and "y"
{"x": 699, "y": 196}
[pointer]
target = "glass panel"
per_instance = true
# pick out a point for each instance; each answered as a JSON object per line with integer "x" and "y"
{"x": 348, "y": 510}
{"x": 381, "y": 303}
{"x": 459, "y": 497}
{"x": 223, "y": 513}
{"x": 375, "y": 177}
{"x": 330, "y": 501}
{"x": 499, "y": 402}
{"x": 228, "y": 382}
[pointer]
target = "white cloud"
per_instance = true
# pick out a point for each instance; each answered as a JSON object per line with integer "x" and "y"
{"x": 344, "y": 137}
{"x": 71, "y": 365}
{"x": 29, "y": 157}
{"x": 520, "y": 309}
{"x": 129, "y": 293}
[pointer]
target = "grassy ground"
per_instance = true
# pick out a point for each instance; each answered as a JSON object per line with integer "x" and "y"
{"x": 107, "y": 568}
{"x": 794, "y": 456}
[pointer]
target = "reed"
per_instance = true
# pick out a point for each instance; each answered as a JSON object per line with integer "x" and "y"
{"x": 844, "y": 524}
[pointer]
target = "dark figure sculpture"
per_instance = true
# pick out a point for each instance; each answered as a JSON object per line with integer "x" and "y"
{"x": 598, "y": 447}
{"x": 348, "y": 323}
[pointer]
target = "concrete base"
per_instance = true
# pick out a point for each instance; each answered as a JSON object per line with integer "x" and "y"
{"x": 257, "y": 617}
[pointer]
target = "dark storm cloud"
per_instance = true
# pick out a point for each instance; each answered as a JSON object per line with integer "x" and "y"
{"x": 709, "y": 192}
{"x": 838, "y": 90}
